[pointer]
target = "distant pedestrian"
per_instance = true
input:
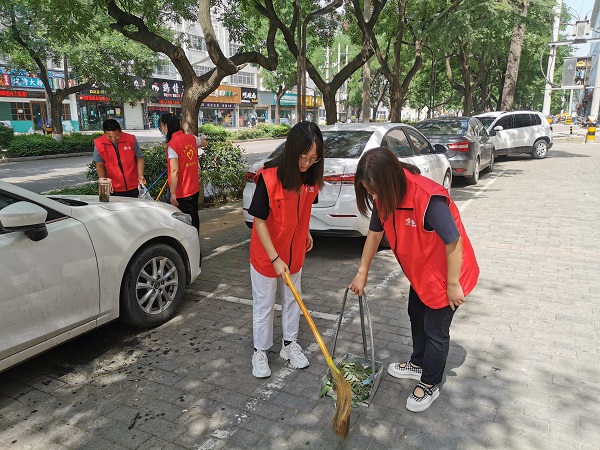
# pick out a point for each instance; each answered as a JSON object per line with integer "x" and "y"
{"x": 426, "y": 234}
{"x": 183, "y": 167}
{"x": 118, "y": 156}
{"x": 286, "y": 188}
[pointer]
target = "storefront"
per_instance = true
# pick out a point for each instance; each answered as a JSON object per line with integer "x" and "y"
{"x": 23, "y": 102}
{"x": 166, "y": 99}
{"x": 221, "y": 107}
{"x": 248, "y": 105}
{"x": 95, "y": 107}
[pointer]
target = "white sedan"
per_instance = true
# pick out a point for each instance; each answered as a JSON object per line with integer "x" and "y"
{"x": 336, "y": 213}
{"x": 69, "y": 264}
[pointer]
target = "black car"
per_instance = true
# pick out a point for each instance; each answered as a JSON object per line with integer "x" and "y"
{"x": 469, "y": 144}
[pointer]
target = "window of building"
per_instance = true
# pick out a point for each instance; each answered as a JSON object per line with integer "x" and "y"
{"x": 233, "y": 48}
{"x": 196, "y": 42}
{"x": 66, "y": 112}
{"x": 243, "y": 78}
{"x": 201, "y": 70}
{"x": 165, "y": 68}
{"x": 20, "y": 111}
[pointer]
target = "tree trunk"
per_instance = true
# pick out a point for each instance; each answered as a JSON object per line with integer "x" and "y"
{"x": 330, "y": 108}
{"x": 55, "y": 113}
{"x": 514, "y": 59}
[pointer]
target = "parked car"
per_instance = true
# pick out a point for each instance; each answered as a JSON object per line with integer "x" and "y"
{"x": 336, "y": 213}
{"x": 284, "y": 121}
{"x": 470, "y": 149}
{"x": 518, "y": 132}
{"x": 69, "y": 264}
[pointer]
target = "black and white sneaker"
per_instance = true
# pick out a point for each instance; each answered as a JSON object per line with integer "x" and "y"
{"x": 418, "y": 404}
{"x": 405, "y": 370}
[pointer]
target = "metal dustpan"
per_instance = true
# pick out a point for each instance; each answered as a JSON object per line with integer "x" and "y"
{"x": 363, "y": 386}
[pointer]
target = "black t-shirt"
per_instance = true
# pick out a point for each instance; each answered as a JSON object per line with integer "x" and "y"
{"x": 259, "y": 207}
{"x": 438, "y": 218}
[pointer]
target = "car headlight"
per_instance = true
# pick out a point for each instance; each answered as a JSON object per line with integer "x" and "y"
{"x": 183, "y": 217}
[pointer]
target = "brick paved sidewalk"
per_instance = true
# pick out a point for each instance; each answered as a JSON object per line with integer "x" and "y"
{"x": 522, "y": 372}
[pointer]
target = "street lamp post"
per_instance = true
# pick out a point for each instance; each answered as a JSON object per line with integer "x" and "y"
{"x": 433, "y": 82}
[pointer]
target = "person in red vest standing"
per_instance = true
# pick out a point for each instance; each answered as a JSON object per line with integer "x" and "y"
{"x": 426, "y": 234}
{"x": 118, "y": 156}
{"x": 286, "y": 188}
{"x": 183, "y": 167}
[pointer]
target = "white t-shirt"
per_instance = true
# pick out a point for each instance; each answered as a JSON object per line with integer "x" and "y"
{"x": 173, "y": 155}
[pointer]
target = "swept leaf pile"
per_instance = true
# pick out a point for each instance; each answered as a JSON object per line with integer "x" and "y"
{"x": 356, "y": 374}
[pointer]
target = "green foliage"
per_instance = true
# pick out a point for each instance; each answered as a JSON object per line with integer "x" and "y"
{"x": 6, "y": 135}
{"x": 213, "y": 132}
{"x": 83, "y": 189}
{"x": 222, "y": 171}
{"x": 38, "y": 145}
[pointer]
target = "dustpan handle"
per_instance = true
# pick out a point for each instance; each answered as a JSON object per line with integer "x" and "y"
{"x": 339, "y": 322}
{"x": 360, "y": 299}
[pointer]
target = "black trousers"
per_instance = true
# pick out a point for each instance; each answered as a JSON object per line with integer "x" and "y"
{"x": 431, "y": 337}
{"x": 130, "y": 193}
{"x": 189, "y": 205}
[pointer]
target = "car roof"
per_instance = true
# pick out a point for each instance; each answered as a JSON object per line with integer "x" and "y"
{"x": 372, "y": 127}
{"x": 499, "y": 113}
{"x": 448, "y": 118}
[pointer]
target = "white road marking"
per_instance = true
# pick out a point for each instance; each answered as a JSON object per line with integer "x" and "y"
{"x": 480, "y": 191}
{"x": 224, "y": 248}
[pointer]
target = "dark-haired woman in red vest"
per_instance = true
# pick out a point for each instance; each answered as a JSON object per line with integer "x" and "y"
{"x": 426, "y": 234}
{"x": 286, "y": 188}
{"x": 182, "y": 166}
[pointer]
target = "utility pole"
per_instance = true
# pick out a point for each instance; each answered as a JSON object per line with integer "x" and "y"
{"x": 366, "y": 94}
{"x": 552, "y": 59}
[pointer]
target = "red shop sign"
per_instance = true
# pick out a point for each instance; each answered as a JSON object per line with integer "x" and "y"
{"x": 5, "y": 93}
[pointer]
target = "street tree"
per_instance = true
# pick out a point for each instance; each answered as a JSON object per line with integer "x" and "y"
{"x": 520, "y": 8}
{"x": 33, "y": 33}
{"x": 147, "y": 23}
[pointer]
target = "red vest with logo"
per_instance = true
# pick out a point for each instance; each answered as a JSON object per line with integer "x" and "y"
{"x": 422, "y": 253}
{"x": 188, "y": 181}
{"x": 125, "y": 177}
{"x": 288, "y": 224}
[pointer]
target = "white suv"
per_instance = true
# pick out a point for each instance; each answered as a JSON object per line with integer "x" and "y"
{"x": 518, "y": 132}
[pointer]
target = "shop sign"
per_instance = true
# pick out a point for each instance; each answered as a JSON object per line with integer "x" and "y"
{"x": 249, "y": 95}
{"x": 94, "y": 98}
{"x": 5, "y": 80}
{"x": 286, "y": 100}
{"x": 10, "y": 93}
{"x": 167, "y": 90}
{"x": 225, "y": 94}
{"x": 94, "y": 94}
{"x": 216, "y": 105}
{"x": 159, "y": 108}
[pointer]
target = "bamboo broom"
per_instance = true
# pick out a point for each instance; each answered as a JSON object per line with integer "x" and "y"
{"x": 341, "y": 420}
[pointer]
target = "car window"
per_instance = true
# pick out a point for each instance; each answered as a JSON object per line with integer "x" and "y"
{"x": 7, "y": 199}
{"x": 443, "y": 126}
{"x": 522, "y": 120}
{"x": 420, "y": 143}
{"x": 535, "y": 119}
{"x": 397, "y": 142}
{"x": 486, "y": 121}
{"x": 345, "y": 144}
{"x": 504, "y": 122}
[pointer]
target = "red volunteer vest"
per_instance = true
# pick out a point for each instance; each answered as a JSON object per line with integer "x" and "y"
{"x": 126, "y": 178}
{"x": 188, "y": 182}
{"x": 422, "y": 253}
{"x": 288, "y": 224}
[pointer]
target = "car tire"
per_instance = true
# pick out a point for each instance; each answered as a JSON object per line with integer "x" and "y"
{"x": 490, "y": 168}
{"x": 540, "y": 149}
{"x": 473, "y": 180}
{"x": 152, "y": 287}
{"x": 447, "y": 182}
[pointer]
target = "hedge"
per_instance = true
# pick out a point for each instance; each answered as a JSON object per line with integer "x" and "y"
{"x": 38, "y": 145}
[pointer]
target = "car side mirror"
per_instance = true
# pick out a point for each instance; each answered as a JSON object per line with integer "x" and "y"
{"x": 498, "y": 128}
{"x": 440, "y": 148}
{"x": 26, "y": 217}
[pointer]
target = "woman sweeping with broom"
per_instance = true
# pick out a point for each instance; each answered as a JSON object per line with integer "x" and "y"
{"x": 427, "y": 236}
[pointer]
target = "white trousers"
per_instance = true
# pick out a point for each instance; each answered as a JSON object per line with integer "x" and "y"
{"x": 264, "y": 290}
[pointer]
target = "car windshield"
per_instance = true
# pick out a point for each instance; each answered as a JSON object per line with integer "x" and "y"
{"x": 339, "y": 144}
{"x": 449, "y": 126}
{"x": 486, "y": 121}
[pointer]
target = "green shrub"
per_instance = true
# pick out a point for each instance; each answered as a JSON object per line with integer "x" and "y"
{"x": 213, "y": 132}
{"x": 6, "y": 135}
{"x": 83, "y": 189}
{"x": 37, "y": 145}
{"x": 222, "y": 171}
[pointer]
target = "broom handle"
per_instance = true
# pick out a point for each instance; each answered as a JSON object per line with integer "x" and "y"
{"x": 311, "y": 323}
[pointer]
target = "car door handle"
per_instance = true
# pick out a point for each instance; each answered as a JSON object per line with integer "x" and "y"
{"x": 426, "y": 167}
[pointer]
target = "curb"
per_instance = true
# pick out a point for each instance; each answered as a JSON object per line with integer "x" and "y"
{"x": 34, "y": 158}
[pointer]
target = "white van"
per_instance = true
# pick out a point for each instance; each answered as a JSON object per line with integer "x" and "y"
{"x": 518, "y": 132}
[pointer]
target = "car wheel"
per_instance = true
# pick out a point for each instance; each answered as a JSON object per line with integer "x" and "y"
{"x": 447, "y": 183}
{"x": 540, "y": 149}
{"x": 152, "y": 287}
{"x": 490, "y": 168}
{"x": 475, "y": 178}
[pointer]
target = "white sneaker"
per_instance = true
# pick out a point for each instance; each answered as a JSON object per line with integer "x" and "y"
{"x": 294, "y": 354}
{"x": 418, "y": 404}
{"x": 260, "y": 364}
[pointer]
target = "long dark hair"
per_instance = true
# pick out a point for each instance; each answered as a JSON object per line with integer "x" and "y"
{"x": 172, "y": 122}
{"x": 300, "y": 140}
{"x": 381, "y": 173}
